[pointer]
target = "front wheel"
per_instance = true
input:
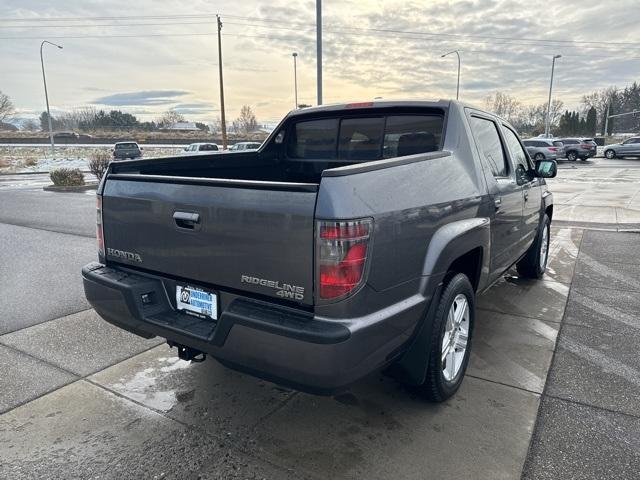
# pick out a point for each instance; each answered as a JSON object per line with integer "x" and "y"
{"x": 610, "y": 154}
{"x": 572, "y": 156}
{"x": 539, "y": 157}
{"x": 450, "y": 343}
{"x": 534, "y": 263}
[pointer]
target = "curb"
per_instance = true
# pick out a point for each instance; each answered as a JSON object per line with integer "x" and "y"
{"x": 70, "y": 188}
{"x": 618, "y": 227}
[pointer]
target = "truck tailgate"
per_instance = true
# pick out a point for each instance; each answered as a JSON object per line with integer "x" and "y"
{"x": 250, "y": 236}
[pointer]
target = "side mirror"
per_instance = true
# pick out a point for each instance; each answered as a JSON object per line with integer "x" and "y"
{"x": 546, "y": 168}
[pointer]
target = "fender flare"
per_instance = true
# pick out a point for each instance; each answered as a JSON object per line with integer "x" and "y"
{"x": 449, "y": 243}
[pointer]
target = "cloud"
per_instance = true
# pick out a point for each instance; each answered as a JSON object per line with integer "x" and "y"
{"x": 143, "y": 97}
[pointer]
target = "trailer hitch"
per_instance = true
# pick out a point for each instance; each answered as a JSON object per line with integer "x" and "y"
{"x": 189, "y": 354}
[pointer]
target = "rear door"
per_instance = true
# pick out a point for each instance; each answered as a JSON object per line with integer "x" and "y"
{"x": 233, "y": 234}
{"x": 505, "y": 192}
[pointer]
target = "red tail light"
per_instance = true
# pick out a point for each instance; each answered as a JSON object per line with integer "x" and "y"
{"x": 553, "y": 149}
{"x": 342, "y": 256}
{"x": 585, "y": 146}
{"x": 99, "y": 230}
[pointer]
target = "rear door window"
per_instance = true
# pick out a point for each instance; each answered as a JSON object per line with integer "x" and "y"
{"x": 361, "y": 139}
{"x": 485, "y": 132}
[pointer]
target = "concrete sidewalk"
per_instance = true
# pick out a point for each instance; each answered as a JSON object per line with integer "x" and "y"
{"x": 589, "y": 419}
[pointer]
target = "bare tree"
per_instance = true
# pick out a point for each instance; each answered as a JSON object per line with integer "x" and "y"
{"x": 504, "y": 105}
{"x": 246, "y": 122}
{"x": 170, "y": 118}
{"x": 6, "y": 107}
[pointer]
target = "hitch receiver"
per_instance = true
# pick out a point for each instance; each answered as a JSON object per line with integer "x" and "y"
{"x": 187, "y": 353}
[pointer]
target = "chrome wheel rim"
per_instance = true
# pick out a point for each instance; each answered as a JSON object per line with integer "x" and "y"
{"x": 609, "y": 154}
{"x": 455, "y": 338}
{"x": 544, "y": 247}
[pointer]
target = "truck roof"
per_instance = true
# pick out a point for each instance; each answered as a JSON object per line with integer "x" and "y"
{"x": 372, "y": 104}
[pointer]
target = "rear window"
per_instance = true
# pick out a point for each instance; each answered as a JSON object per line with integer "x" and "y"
{"x": 122, "y": 146}
{"x": 365, "y": 138}
{"x": 558, "y": 143}
{"x": 570, "y": 142}
{"x": 208, "y": 147}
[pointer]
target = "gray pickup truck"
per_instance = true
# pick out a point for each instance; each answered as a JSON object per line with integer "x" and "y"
{"x": 354, "y": 240}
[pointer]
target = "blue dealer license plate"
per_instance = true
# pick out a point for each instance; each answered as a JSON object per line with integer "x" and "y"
{"x": 196, "y": 300}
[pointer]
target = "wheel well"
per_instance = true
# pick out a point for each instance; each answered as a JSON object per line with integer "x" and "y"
{"x": 470, "y": 264}
{"x": 549, "y": 211}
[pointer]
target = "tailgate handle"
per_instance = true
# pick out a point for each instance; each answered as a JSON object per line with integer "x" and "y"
{"x": 186, "y": 219}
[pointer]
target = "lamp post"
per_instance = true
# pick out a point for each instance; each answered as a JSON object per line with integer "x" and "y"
{"x": 547, "y": 126}
{"x": 46, "y": 94}
{"x": 319, "y": 51}
{"x": 295, "y": 78}
{"x": 458, "y": 87}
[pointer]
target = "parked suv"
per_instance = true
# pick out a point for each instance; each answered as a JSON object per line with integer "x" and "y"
{"x": 354, "y": 240}
{"x": 630, "y": 147}
{"x": 579, "y": 148}
{"x": 243, "y": 146}
{"x": 126, "y": 150}
{"x": 544, "y": 148}
{"x": 199, "y": 148}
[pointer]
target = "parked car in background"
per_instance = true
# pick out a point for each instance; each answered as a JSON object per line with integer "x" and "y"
{"x": 325, "y": 256}
{"x": 126, "y": 150}
{"x": 242, "y": 146}
{"x": 197, "y": 148}
{"x": 65, "y": 137}
{"x": 630, "y": 147}
{"x": 544, "y": 148}
{"x": 579, "y": 148}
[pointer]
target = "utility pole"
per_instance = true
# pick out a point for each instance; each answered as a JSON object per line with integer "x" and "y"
{"x": 606, "y": 120}
{"x": 46, "y": 94}
{"x": 548, "y": 122}
{"x": 295, "y": 79}
{"x": 319, "y": 49}
{"x": 223, "y": 124}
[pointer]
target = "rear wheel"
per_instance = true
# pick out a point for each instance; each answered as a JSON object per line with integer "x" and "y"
{"x": 572, "y": 156}
{"x": 539, "y": 157}
{"x": 610, "y": 154}
{"x": 450, "y": 343}
{"x": 534, "y": 263}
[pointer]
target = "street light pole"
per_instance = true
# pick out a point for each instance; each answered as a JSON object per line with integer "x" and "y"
{"x": 46, "y": 94}
{"x": 458, "y": 87}
{"x": 295, "y": 78}
{"x": 319, "y": 49}
{"x": 548, "y": 122}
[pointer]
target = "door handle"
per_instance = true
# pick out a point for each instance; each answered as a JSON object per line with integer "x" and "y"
{"x": 186, "y": 219}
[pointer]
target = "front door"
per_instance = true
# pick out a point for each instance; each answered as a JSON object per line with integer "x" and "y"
{"x": 531, "y": 188}
{"x": 504, "y": 191}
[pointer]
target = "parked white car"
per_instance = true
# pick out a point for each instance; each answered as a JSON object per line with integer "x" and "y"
{"x": 200, "y": 148}
{"x": 243, "y": 146}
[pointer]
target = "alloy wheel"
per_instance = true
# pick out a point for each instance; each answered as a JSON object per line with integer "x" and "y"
{"x": 455, "y": 338}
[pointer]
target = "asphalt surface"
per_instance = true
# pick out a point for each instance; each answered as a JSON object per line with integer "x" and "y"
{"x": 83, "y": 399}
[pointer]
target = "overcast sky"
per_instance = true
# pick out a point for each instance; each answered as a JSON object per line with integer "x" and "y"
{"x": 143, "y": 70}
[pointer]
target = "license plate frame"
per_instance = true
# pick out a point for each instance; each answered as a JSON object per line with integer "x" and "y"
{"x": 197, "y": 301}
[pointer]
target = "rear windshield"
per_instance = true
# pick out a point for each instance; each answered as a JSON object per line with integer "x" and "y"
{"x": 125, "y": 145}
{"x": 364, "y": 139}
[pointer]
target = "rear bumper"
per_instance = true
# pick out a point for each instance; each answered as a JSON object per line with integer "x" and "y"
{"x": 281, "y": 344}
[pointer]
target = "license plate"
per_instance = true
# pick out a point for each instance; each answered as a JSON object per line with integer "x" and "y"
{"x": 198, "y": 301}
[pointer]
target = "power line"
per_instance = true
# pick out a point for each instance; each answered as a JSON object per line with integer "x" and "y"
{"x": 362, "y": 29}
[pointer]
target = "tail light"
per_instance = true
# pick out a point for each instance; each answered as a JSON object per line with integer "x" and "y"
{"x": 99, "y": 230}
{"x": 342, "y": 256}
{"x": 586, "y": 146}
{"x": 553, "y": 149}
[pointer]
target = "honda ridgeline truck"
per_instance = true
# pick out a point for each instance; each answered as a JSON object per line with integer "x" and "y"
{"x": 355, "y": 239}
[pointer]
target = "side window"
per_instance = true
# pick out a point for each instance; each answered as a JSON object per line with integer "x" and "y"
{"x": 518, "y": 155}
{"x": 487, "y": 137}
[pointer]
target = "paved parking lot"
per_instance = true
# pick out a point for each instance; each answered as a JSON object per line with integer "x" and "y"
{"x": 83, "y": 399}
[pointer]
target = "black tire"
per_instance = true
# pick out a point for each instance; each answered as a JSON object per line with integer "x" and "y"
{"x": 538, "y": 157}
{"x": 531, "y": 265}
{"x": 436, "y": 388}
{"x": 610, "y": 154}
{"x": 572, "y": 156}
